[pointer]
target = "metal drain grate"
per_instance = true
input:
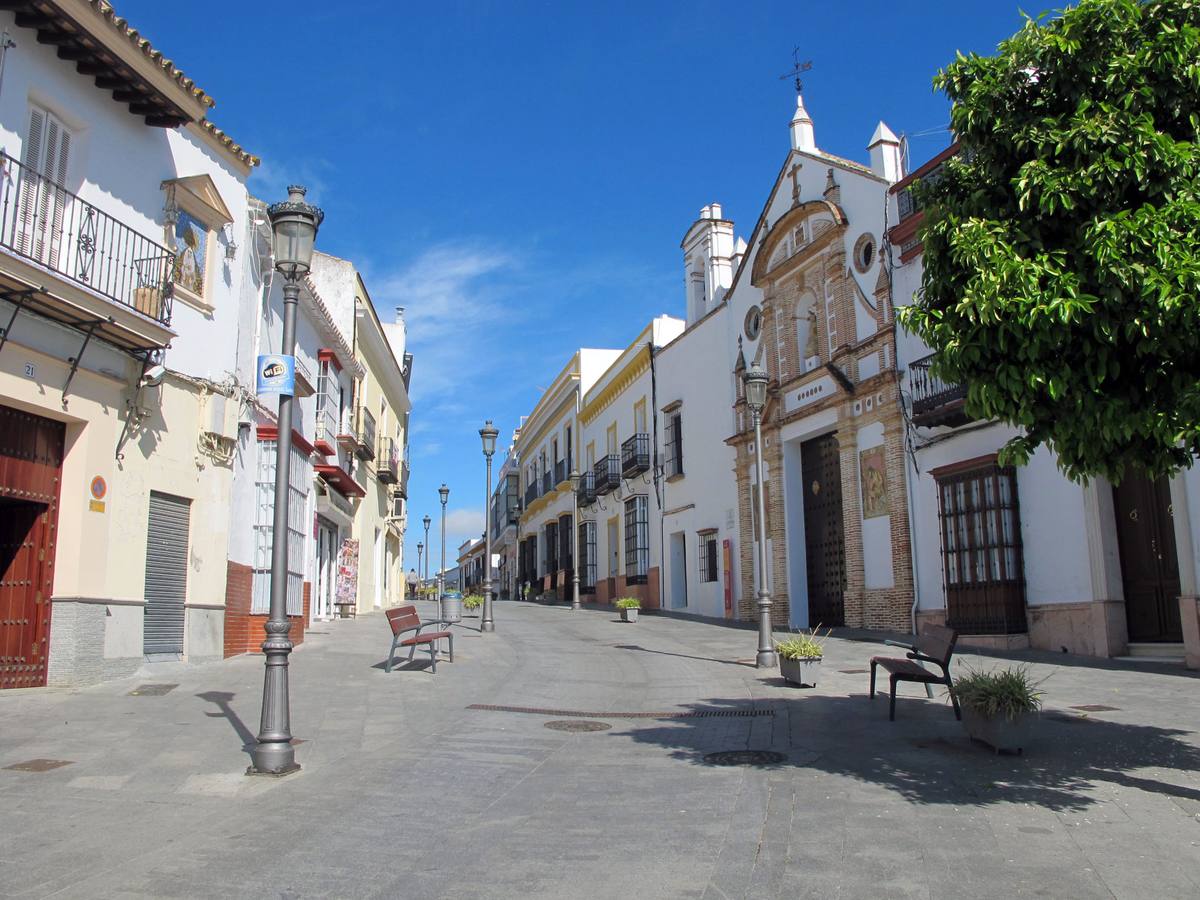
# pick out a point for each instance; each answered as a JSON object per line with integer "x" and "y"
{"x": 39, "y": 765}
{"x": 1097, "y": 707}
{"x": 568, "y": 725}
{"x": 744, "y": 758}
{"x": 152, "y": 690}
{"x": 670, "y": 714}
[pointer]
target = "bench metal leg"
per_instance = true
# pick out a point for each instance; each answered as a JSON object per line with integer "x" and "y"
{"x": 929, "y": 690}
{"x": 892, "y": 706}
{"x": 954, "y": 700}
{"x": 451, "y": 642}
{"x": 387, "y": 667}
{"x": 873, "y": 664}
{"x": 433, "y": 656}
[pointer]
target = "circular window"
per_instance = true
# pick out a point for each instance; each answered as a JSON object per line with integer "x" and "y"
{"x": 753, "y": 323}
{"x": 864, "y": 253}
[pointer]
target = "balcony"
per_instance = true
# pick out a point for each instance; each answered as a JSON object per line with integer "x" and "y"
{"x": 586, "y": 494}
{"x": 531, "y": 493}
{"x": 345, "y": 431}
{"x": 402, "y": 487}
{"x": 364, "y": 434}
{"x": 387, "y": 466}
{"x": 635, "y": 455}
{"x": 547, "y": 481}
{"x": 46, "y": 228}
{"x": 607, "y": 474}
{"x": 560, "y": 472}
{"x": 325, "y": 433}
{"x": 933, "y": 401}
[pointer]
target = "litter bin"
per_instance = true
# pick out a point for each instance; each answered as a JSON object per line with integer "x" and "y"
{"x": 452, "y": 606}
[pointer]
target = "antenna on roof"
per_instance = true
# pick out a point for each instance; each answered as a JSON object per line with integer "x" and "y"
{"x": 798, "y": 69}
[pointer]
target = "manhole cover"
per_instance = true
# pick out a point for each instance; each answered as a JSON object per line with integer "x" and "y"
{"x": 744, "y": 758}
{"x": 39, "y": 765}
{"x": 152, "y": 690}
{"x": 1096, "y": 707}
{"x": 578, "y": 725}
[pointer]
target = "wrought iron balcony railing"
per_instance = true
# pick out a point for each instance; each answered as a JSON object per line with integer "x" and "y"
{"x": 531, "y": 492}
{"x": 560, "y": 472}
{"x": 635, "y": 455}
{"x": 364, "y": 432}
{"x": 547, "y": 481}
{"x": 587, "y": 488}
{"x": 387, "y": 466}
{"x": 402, "y": 487}
{"x": 607, "y": 472}
{"x": 44, "y": 222}
{"x": 934, "y": 402}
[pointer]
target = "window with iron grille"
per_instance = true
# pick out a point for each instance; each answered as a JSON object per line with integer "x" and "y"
{"x": 587, "y": 557}
{"x": 299, "y": 476}
{"x": 674, "y": 448}
{"x": 707, "y": 556}
{"x": 637, "y": 539}
{"x": 981, "y": 548}
{"x": 565, "y": 531}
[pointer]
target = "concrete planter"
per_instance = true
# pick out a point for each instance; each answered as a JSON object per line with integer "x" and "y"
{"x": 629, "y": 615}
{"x": 800, "y": 671}
{"x": 1001, "y": 734}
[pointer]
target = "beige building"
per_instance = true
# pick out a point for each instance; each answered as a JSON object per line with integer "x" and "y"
{"x": 547, "y": 449}
{"x": 120, "y": 288}
{"x": 378, "y": 418}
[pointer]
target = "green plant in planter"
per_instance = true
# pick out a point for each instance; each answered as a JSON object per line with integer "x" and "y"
{"x": 1006, "y": 693}
{"x": 803, "y": 646}
{"x": 472, "y": 601}
{"x": 628, "y": 603}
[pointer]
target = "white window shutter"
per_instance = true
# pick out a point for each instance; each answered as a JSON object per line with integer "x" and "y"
{"x": 31, "y": 158}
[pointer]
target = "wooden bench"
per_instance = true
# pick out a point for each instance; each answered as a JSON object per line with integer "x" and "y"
{"x": 404, "y": 619}
{"x": 934, "y": 645}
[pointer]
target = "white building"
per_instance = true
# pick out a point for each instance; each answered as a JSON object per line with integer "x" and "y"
{"x": 121, "y": 277}
{"x": 1025, "y": 557}
{"x": 620, "y": 505}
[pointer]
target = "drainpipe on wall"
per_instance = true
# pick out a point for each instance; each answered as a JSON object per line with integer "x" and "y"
{"x": 657, "y": 474}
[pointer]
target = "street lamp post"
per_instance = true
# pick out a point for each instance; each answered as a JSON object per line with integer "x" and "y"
{"x": 444, "y": 493}
{"x": 575, "y": 539}
{"x": 755, "y": 379}
{"x": 420, "y": 570}
{"x": 488, "y": 434}
{"x": 294, "y": 224}
{"x": 428, "y": 549}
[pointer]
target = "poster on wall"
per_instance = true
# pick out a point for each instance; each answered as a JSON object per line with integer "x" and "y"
{"x": 347, "y": 574}
{"x": 874, "y": 482}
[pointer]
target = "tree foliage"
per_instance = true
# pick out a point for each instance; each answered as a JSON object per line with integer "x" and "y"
{"x": 1062, "y": 243}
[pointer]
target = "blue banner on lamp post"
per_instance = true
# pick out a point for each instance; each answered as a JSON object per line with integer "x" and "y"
{"x": 276, "y": 374}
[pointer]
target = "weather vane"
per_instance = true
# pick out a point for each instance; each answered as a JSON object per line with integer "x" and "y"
{"x": 798, "y": 69}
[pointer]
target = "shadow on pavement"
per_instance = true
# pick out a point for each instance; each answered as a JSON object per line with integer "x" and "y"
{"x": 724, "y": 662}
{"x": 926, "y": 757}
{"x": 223, "y": 699}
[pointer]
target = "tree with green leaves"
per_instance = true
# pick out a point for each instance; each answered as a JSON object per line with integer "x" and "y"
{"x": 1061, "y": 277}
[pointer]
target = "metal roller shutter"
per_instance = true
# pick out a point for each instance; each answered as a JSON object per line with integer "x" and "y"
{"x": 166, "y": 574}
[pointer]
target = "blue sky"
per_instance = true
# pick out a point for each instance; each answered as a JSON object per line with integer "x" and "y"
{"x": 519, "y": 175}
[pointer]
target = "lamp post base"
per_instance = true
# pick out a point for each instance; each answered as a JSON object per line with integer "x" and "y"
{"x": 487, "y": 626}
{"x": 286, "y": 770}
{"x": 766, "y": 659}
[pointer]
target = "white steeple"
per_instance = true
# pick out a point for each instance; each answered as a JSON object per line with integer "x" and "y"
{"x": 802, "y": 128}
{"x": 886, "y": 159}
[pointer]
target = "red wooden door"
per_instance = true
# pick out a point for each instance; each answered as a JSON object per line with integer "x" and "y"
{"x": 31, "y": 451}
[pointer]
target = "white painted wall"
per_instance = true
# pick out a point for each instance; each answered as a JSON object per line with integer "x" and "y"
{"x": 694, "y": 369}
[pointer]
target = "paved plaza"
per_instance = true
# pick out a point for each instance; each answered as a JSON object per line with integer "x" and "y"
{"x": 407, "y": 791}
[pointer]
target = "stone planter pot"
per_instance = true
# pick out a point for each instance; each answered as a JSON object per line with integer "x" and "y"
{"x": 629, "y": 615}
{"x": 451, "y": 607}
{"x": 1001, "y": 734}
{"x": 800, "y": 671}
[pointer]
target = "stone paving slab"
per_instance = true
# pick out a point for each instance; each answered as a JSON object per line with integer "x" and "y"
{"x": 407, "y": 792}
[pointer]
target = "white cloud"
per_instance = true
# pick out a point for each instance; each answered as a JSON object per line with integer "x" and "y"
{"x": 464, "y": 522}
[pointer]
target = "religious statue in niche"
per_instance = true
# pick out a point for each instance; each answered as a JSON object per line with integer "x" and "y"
{"x": 873, "y": 475}
{"x": 190, "y": 241}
